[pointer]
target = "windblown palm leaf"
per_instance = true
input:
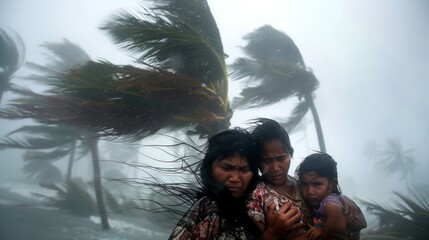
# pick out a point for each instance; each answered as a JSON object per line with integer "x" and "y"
{"x": 63, "y": 57}
{"x": 408, "y": 219}
{"x": 74, "y": 198}
{"x": 275, "y": 70}
{"x": 298, "y": 114}
{"x": 180, "y": 36}
{"x": 11, "y": 58}
{"x": 120, "y": 100}
{"x": 46, "y": 144}
{"x": 276, "y": 65}
{"x": 393, "y": 159}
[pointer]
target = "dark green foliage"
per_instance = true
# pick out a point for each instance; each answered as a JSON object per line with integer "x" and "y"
{"x": 11, "y": 57}
{"x": 275, "y": 63}
{"x": 44, "y": 145}
{"x": 407, "y": 219}
{"x": 179, "y": 36}
{"x": 74, "y": 199}
{"x": 392, "y": 158}
{"x": 275, "y": 70}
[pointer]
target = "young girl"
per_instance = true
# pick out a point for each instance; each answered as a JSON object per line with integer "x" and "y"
{"x": 318, "y": 179}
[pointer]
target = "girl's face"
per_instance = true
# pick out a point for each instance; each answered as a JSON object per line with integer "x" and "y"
{"x": 274, "y": 163}
{"x": 314, "y": 188}
{"x": 233, "y": 173}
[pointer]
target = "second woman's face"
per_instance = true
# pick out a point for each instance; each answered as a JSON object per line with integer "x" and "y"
{"x": 233, "y": 173}
{"x": 274, "y": 163}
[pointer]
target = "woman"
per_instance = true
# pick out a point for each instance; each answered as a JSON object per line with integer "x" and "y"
{"x": 229, "y": 172}
{"x": 274, "y": 156}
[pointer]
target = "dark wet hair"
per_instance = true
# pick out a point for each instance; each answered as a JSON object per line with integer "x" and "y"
{"x": 223, "y": 145}
{"x": 323, "y": 165}
{"x": 267, "y": 130}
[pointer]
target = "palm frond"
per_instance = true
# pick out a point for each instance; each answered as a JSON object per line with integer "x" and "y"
{"x": 54, "y": 131}
{"x": 274, "y": 70}
{"x": 408, "y": 219}
{"x": 269, "y": 44}
{"x": 37, "y": 155}
{"x": 120, "y": 100}
{"x": 74, "y": 198}
{"x": 33, "y": 142}
{"x": 393, "y": 159}
{"x": 64, "y": 56}
{"x": 12, "y": 53}
{"x": 298, "y": 114}
{"x": 276, "y": 86}
{"x": 179, "y": 36}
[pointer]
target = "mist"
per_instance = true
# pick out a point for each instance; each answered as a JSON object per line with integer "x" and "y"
{"x": 370, "y": 57}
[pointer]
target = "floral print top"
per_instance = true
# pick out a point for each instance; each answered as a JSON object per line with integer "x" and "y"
{"x": 264, "y": 195}
{"x": 203, "y": 221}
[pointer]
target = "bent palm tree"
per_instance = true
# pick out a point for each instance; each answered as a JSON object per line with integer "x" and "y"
{"x": 65, "y": 56}
{"x": 180, "y": 39}
{"x": 11, "y": 58}
{"x": 275, "y": 65}
{"x": 394, "y": 159}
{"x": 183, "y": 84}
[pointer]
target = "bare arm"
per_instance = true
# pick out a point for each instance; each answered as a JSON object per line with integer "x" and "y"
{"x": 335, "y": 226}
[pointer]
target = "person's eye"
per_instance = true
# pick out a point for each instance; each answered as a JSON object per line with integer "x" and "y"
{"x": 227, "y": 168}
{"x": 245, "y": 169}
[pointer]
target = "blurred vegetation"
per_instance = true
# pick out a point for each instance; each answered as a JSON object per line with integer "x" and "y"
{"x": 408, "y": 218}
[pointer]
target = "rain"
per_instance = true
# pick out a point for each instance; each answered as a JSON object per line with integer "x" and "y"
{"x": 369, "y": 59}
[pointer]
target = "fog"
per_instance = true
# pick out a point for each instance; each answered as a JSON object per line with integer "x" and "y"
{"x": 370, "y": 57}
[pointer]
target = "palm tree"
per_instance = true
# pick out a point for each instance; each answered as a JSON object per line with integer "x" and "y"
{"x": 183, "y": 84}
{"x": 394, "y": 159}
{"x": 276, "y": 70}
{"x": 180, "y": 39}
{"x": 46, "y": 144}
{"x": 11, "y": 58}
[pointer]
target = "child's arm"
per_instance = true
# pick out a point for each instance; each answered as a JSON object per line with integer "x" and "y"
{"x": 335, "y": 226}
{"x": 314, "y": 233}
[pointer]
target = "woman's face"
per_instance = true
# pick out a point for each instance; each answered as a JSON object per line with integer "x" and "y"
{"x": 274, "y": 163}
{"x": 233, "y": 173}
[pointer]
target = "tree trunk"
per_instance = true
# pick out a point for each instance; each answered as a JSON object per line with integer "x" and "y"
{"x": 70, "y": 164}
{"x": 97, "y": 184}
{"x": 317, "y": 124}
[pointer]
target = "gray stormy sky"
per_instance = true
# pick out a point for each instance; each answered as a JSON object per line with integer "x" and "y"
{"x": 371, "y": 58}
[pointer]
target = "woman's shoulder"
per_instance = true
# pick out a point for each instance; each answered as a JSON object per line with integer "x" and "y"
{"x": 202, "y": 217}
{"x": 205, "y": 206}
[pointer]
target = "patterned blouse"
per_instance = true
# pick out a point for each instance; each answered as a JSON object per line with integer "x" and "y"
{"x": 264, "y": 195}
{"x": 203, "y": 221}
